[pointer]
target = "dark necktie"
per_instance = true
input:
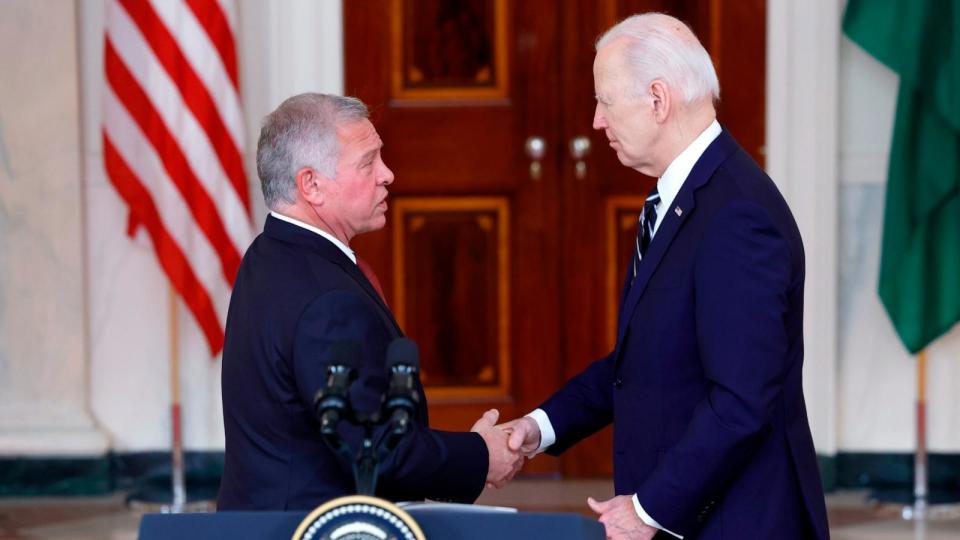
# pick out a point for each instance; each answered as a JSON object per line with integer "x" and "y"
{"x": 648, "y": 220}
{"x": 371, "y": 277}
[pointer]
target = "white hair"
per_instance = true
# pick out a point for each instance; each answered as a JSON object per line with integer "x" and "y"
{"x": 655, "y": 51}
{"x": 301, "y": 132}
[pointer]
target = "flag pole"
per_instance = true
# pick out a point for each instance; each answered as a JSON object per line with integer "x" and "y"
{"x": 177, "y": 477}
{"x": 919, "y": 510}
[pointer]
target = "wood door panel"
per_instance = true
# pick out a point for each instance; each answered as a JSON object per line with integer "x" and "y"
{"x": 446, "y": 50}
{"x": 434, "y": 144}
{"x": 452, "y": 291}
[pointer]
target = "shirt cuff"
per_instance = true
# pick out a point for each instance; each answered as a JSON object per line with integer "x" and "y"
{"x": 547, "y": 435}
{"x": 645, "y": 517}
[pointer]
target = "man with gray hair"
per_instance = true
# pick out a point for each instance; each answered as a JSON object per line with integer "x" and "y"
{"x": 301, "y": 290}
{"x": 704, "y": 385}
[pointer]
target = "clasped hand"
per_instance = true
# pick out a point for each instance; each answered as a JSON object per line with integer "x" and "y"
{"x": 511, "y": 441}
{"x": 505, "y": 446}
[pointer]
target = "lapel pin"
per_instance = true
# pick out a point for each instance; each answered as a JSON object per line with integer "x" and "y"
{"x": 678, "y": 210}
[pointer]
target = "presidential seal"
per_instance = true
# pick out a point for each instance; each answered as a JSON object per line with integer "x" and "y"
{"x": 358, "y": 517}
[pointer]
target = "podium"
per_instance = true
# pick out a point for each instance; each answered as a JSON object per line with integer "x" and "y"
{"x": 437, "y": 524}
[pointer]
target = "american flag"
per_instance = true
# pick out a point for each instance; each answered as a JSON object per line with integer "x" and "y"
{"x": 173, "y": 140}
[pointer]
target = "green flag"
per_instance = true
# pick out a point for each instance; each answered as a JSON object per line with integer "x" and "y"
{"x": 920, "y": 260}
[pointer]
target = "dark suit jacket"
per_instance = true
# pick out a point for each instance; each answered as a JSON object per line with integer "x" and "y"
{"x": 295, "y": 295}
{"x": 704, "y": 386}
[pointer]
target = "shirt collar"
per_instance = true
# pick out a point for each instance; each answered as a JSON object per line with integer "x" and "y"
{"x": 333, "y": 239}
{"x": 679, "y": 169}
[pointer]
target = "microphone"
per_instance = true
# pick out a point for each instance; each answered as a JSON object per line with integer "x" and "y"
{"x": 332, "y": 402}
{"x": 402, "y": 399}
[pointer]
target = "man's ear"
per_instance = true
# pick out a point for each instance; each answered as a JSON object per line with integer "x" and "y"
{"x": 661, "y": 100}
{"x": 311, "y": 185}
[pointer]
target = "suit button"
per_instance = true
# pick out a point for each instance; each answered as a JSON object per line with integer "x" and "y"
{"x": 618, "y": 383}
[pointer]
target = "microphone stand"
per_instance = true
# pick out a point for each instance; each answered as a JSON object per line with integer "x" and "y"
{"x": 367, "y": 463}
{"x": 365, "y": 467}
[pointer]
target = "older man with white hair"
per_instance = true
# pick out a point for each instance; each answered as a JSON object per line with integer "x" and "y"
{"x": 703, "y": 387}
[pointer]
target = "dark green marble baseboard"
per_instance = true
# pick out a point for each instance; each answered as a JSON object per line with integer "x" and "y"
{"x": 136, "y": 472}
{"x": 877, "y": 470}
{"x": 132, "y": 469}
{"x": 828, "y": 471}
{"x": 54, "y": 476}
{"x": 889, "y": 476}
{"x": 148, "y": 474}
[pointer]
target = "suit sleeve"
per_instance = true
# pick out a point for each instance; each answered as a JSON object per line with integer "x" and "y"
{"x": 742, "y": 278}
{"x": 583, "y": 406}
{"x": 427, "y": 463}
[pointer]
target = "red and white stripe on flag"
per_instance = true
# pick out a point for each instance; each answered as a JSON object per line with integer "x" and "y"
{"x": 173, "y": 140}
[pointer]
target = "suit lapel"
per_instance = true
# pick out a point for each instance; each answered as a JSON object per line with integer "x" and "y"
{"x": 354, "y": 272}
{"x": 678, "y": 212}
{"x": 288, "y": 232}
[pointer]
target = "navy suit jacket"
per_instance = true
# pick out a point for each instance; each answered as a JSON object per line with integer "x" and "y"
{"x": 295, "y": 295}
{"x": 704, "y": 385}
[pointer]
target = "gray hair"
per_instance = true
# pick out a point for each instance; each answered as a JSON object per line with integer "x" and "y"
{"x": 301, "y": 132}
{"x": 656, "y": 52}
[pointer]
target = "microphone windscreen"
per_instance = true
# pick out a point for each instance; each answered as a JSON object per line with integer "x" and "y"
{"x": 403, "y": 351}
{"x": 343, "y": 353}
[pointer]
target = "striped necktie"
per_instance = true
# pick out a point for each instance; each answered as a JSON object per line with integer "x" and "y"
{"x": 648, "y": 220}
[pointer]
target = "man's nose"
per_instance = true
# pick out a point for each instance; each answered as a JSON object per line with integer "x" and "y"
{"x": 387, "y": 177}
{"x": 599, "y": 122}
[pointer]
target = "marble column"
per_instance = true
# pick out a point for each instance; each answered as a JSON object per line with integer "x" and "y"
{"x": 802, "y": 127}
{"x": 44, "y": 405}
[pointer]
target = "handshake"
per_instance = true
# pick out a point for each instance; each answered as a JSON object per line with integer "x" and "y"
{"x": 507, "y": 445}
{"x": 510, "y": 442}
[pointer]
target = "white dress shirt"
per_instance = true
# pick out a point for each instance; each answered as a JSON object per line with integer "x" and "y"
{"x": 668, "y": 186}
{"x": 336, "y": 241}
{"x": 679, "y": 169}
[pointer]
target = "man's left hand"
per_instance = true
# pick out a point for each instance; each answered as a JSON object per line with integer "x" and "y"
{"x": 620, "y": 519}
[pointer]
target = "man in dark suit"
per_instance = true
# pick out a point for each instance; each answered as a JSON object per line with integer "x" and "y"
{"x": 298, "y": 292}
{"x": 711, "y": 438}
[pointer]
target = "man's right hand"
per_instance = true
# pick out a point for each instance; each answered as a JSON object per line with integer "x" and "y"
{"x": 524, "y": 435}
{"x": 504, "y": 461}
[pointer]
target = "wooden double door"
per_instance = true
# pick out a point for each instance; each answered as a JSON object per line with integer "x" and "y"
{"x": 511, "y": 221}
